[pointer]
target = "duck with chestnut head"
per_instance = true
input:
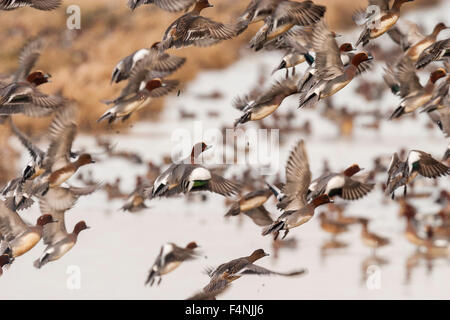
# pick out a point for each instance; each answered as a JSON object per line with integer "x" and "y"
{"x": 192, "y": 29}
{"x": 19, "y": 237}
{"x": 292, "y": 199}
{"x": 189, "y": 176}
{"x": 142, "y": 88}
{"x": 414, "y": 95}
{"x": 168, "y": 5}
{"x": 239, "y": 267}
{"x": 55, "y": 235}
{"x": 340, "y": 184}
{"x": 170, "y": 257}
{"x": 382, "y": 21}
{"x": 27, "y": 93}
{"x": 285, "y": 16}
{"x": 420, "y": 44}
{"x": 334, "y": 78}
{"x": 20, "y": 92}
{"x": 160, "y": 63}
{"x": 330, "y": 73}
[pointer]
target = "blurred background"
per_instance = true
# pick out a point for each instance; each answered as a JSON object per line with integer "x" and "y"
{"x": 115, "y": 255}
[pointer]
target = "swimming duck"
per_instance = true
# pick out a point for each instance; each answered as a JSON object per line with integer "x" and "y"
{"x": 376, "y": 24}
{"x": 252, "y": 205}
{"x": 45, "y": 5}
{"x": 286, "y": 15}
{"x": 55, "y": 236}
{"x": 261, "y": 105}
{"x": 236, "y": 268}
{"x": 333, "y": 227}
{"x": 19, "y": 237}
{"x": 168, "y": 5}
{"x": 194, "y": 29}
{"x": 401, "y": 173}
{"x": 141, "y": 89}
{"x": 340, "y": 184}
{"x": 170, "y": 257}
{"x": 371, "y": 239}
{"x": 160, "y": 63}
{"x": 292, "y": 200}
{"x": 331, "y": 73}
{"x": 438, "y": 51}
{"x": 4, "y": 260}
{"x": 407, "y": 83}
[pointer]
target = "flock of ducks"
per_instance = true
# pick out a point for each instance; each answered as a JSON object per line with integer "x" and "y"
{"x": 299, "y": 29}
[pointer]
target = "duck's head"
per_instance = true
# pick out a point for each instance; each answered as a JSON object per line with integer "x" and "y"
{"x": 398, "y": 3}
{"x": 80, "y": 226}
{"x": 192, "y": 245}
{"x": 44, "y": 219}
{"x": 155, "y": 45}
{"x": 439, "y": 27}
{"x": 85, "y": 159}
{"x": 320, "y": 200}
{"x": 4, "y": 259}
{"x": 437, "y": 74}
{"x": 153, "y": 84}
{"x": 352, "y": 170}
{"x": 257, "y": 254}
{"x": 363, "y": 221}
{"x": 201, "y": 4}
{"x": 361, "y": 57}
{"x": 346, "y": 47}
{"x": 198, "y": 148}
{"x": 38, "y": 77}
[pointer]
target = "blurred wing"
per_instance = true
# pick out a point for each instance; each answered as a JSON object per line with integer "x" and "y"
{"x": 55, "y": 231}
{"x": 354, "y": 189}
{"x": 11, "y": 225}
{"x": 62, "y": 133}
{"x": 252, "y": 269}
{"x": 28, "y": 57}
{"x": 431, "y": 168}
{"x": 298, "y": 176}
{"x": 174, "y": 5}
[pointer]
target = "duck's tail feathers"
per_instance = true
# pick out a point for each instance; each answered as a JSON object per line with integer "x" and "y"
{"x": 38, "y": 263}
{"x": 363, "y": 38}
{"x": 397, "y": 113}
{"x": 310, "y": 101}
{"x": 274, "y": 227}
{"x": 107, "y": 115}
{"x": 150, "y": 278}
{"x": 245, "y": 118}
{"x": 276, "y": 192}
{"x": 234, "y": 210}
